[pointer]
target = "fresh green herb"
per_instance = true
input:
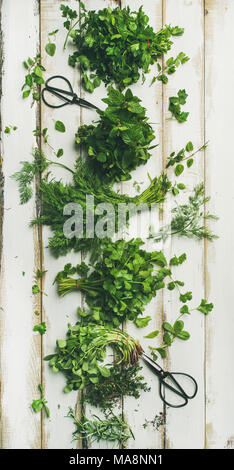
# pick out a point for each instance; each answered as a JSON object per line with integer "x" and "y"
{"x": 79, "y": 357}
{"x": 175, "y": 103}
{"x": 175, "y": 159}
{"x": 8, "y": 129}
{"x": 121, "y": 139}
{"x": 120, "y": 283}
{"x": 34, "y": 78}
{"x": 188, "y": 219}
{"x": 177, "y": 329}
{"x": 44, "y": 134}
{"x": 26, "y": 175}
{"x": 29, "y": 170}
{"x": 115, "y": 45}
{"x": 40, "y": 273}
{"x": 71, "y": 20}
{"x": 55, "y": 196}
{"x": 41, "y": 328}
{"x": 36, "y": 290}
{"x": 36, "y": 312}
{"x": 170, "y": 67}
{"x": 59, "y": 126}
{"x": 123, "y": 381}
{"x": 50, "y": 47}
{"x": 112, "y": 428}
{"x": 38, "y": 405}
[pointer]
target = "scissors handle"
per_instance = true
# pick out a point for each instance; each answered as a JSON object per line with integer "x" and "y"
{"x": 68, "y": 96}
{"x": 167, "y": 380}
{"x": 175, "y": 386}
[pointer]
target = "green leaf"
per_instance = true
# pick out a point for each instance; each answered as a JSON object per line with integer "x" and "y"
{"x": 50, "y": 48}
{"x": 179, "y": 169}
{"x": 59, "y": 153}
{"x": 142, "y": 322}
{"x": 41, "y": 328}
{"x": 61, "y": 343}
{"x": 59, "y": 126}
{"x": 189, "y": 147}
{"x": 204, "y": 307}
{"x": 153, "y": 334}
{"x": 26, "y": 93}
{"x": 104, "y": 371}
{"x": 166, "y": 326}
{"x": 190, "y": 162}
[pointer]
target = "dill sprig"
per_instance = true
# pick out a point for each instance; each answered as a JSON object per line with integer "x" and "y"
{"x": 189, "y": 219}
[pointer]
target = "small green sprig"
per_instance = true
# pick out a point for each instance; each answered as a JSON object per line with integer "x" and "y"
{"x": 176, "y": 330}
{"x": 40, "y": 404}
{"x": 170, "y": 67}
{"x": 41, "y": 328}
{"x": 50, "y": 47}
{"x": 189, "y": 220}
{"x": 34, "y": 78}
{"x": 112, "y": 428}
{"x": 186, "y": 154}
{"x": 175, "y": 103}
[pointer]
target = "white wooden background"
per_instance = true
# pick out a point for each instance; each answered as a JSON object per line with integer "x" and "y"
{"x": 207, "y": 422}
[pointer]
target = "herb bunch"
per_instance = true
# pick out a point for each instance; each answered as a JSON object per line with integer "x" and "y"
{"x": 55, "y": 195}
{"x": 79, "y": 357}
{"x": 112, "y": 428}
{"x": 121, "y": 140}
{"x": 122, "y": 280}
{"x": 123, "y": 381}
{"x": 116, "y": 46}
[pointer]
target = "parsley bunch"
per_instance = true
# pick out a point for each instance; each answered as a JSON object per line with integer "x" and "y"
{"x": 79, "y": 357}
{"x": 120, "y": 141}
{"x": 116, "y": 46}
{"x": 120, "y": 283}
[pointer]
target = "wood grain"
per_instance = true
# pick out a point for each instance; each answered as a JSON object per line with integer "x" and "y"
{"x": 20, "y": 347}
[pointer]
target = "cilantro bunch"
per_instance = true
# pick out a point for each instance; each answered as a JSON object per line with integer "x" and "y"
{"x": 80, "y": 356}
{"x": 122, "y": 280}
{"x": 120, "y": 141}
{"x": 116, "y": 46}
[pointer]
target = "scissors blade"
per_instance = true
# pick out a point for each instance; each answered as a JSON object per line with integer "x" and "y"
{"x": 85, "y": 104}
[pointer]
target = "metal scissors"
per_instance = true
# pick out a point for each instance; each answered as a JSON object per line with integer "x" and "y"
{"x": 168, "y": 381}
{"x": 68, "y": 96}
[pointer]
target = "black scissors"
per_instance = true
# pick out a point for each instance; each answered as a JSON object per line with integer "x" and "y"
{"x": 68, "y": 96}
{"x": 167, "y": 380}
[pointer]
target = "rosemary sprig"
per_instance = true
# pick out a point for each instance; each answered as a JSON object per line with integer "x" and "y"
{"x": 112, "y": 428}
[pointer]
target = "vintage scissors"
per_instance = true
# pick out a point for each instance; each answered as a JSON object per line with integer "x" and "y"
{"x": 68, "y": 96}
{"x": 169, "y": 383}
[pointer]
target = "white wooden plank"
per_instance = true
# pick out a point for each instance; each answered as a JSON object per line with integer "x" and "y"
{"x": 185, "y": 426}
{"x": 149, "y": 404}
{"x": 57, "y": 431}
{"x": 20, "y": 347}
{"x": 219, "y": 35}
